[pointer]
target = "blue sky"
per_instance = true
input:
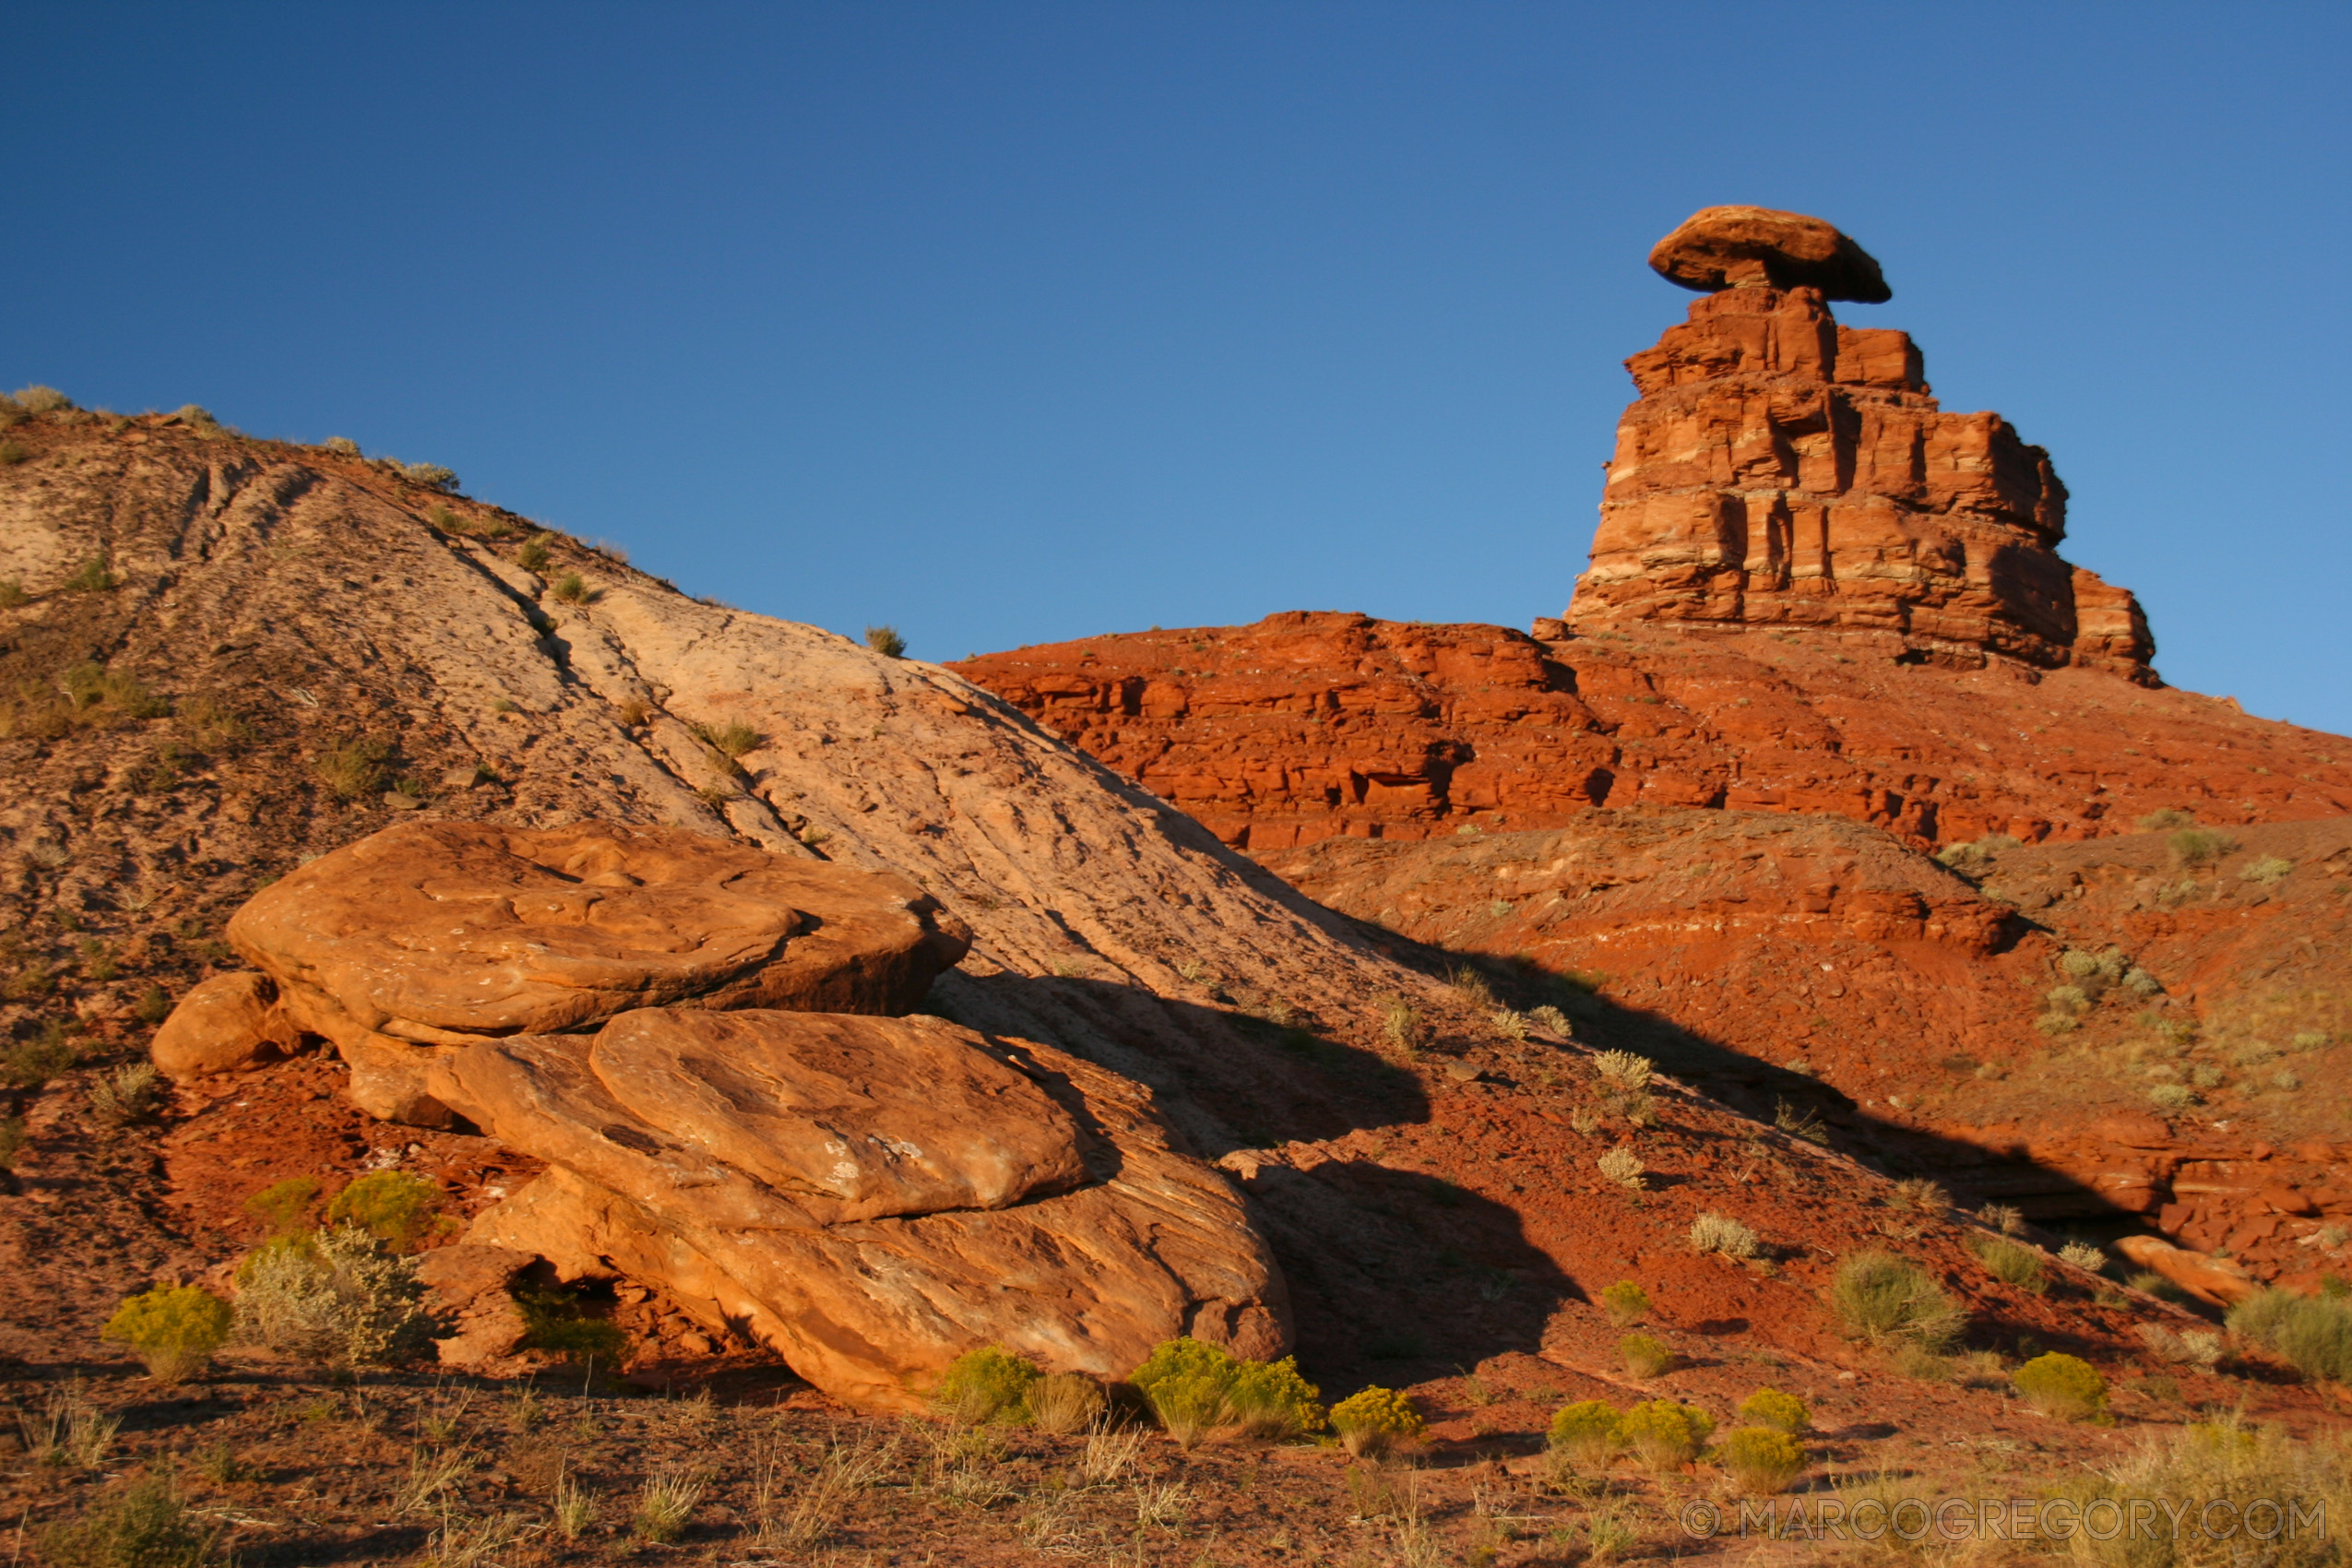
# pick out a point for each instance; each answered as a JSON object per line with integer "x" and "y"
{"x": 1008, "y": 323}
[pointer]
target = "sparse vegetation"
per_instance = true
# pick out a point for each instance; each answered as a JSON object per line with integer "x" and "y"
{"x": 146, "y": 1525}
{"x": 1761, "y": 1461}
{"x": 2170, "y": 819}
{"x": 1922, "y": 1194}
{"x": 571, "y": 589}
{"x": 12, "y": 592}
{"x": 1586, "y": 1433}
{"x": 1713, "y": 1232}
{"x": 1625, "y": 1303}
{"x": 532, "y": 555}
{"x": 43, "y": 400}
{"x": 13, "y": 452}
{"x": 95, "y": 576}
{"x": 173, "y": 1329}
{"x": 986, "y": 1385}
{"x": 1623, "y": 1166}
{"x": 2083, "y": 1255}
{"x": 1624, "y": 1069}
{"x": 1667, "y": 1435}
{"x": 1782, "y": 1412}
{"x": 2251, "y": 1468}
{"x": 396, "y": 1208}
{"x": 2065, "y": 1387}
{"x": 333, "y": 1298}
{"x": 1891, "y": 1302}
{"x": 1402, "y": 1026}
{"x": 2011, "y": 1263}
{"x": 2195, "y": 847}
{"x": 432, "y": 476}
{"x": 885, "y": 641}
{"x": 1374, "y": 1421}
{"x": 2172, "y": 1097}
{"x": 1066, "y": 1402}
{"x": 341, "y": 445}
{"x": 1645, "y": 1354}
{"x": 666, "y": 1504}
{"x": 132, "y": 1092}
{"x": 354, "y": 769}
{"x": 2196, "y": 1348}
{"x": 2268, "y": 870}
{"x": 2313, "y": 1333}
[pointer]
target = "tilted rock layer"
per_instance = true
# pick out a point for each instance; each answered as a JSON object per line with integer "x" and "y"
{"x": 1782, "y": 470}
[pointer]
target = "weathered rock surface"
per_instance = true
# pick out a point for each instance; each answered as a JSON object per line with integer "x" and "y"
{"x": 434, "y": 933}
{"x": 1782, "y": 470}
{"x": 1311, "y": 725}
{"x": 947, "y": 1209}
{"x": 225, "y": 1025}
{"x": 1729, "y": 247}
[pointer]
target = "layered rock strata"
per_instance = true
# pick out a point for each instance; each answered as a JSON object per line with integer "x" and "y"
{"x": 1782, "y": 470}
{"x": 869, "y": 1197}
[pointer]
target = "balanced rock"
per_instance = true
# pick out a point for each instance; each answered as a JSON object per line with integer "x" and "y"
{"x": 869, "y": 1197}
{"x": 1731, "y": 247}
{"x": 223, "y": 1025}
{"x": 435, "y": 934}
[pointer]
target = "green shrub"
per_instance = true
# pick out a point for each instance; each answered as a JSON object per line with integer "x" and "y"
{"x": 174, "y": 1329}
{"x": 2269, "y": 870}
{"x": 885, "y": 641}
{"x": 396, "y": 1208}
{"x": 132, "y": 1092}
{"x": 30, "y": 1064}
{"x": 1761, "y": 1461}
{"x": 552, "y": 1321}
{"x": 2172, "y": 1097}
{"x": 2010, "y": 1263}
{"x": 153, "y": 1006}
{"x": 1890, "y": 1301}
{"x": 1782, "y": 1412}
{"x": 1270, "y": 1400}
{"x": 1185, "y": 1382}
{"x": 986, "y": 1385}
{"x": 2254, "y": 1468}
{"x": 731, "y": 740}
{"x": 12, "y": 1141}
{"x": 283, "y": 1205}
{"x": 94, "y": 577}
{"x": 572, "y": 588}
{"x": 2314, "y": 1333}
{"x": 144, "y": 1526}
{"x": 13, "y": 452}
{"x": 334, "y": 1298}
{"x": 1372, "y": 1421}
{"x": 1586, "y": 1432}
{"x": 2166, "y": 819}
{"x": 533, "y": 557}
{"x": 103, "y": 698}
{"x": 1625, "y": 1303}
{"x": 2199, "y": 845}
{"x": 354, "y": 769}
{"x": 2063, "y": 1386}
{"x": 1666, "y": 1434}
{"x": 1645, "y": 1354}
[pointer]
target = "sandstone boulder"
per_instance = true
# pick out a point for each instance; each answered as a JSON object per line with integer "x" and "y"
{"x": 1729, "y": 247}
{"x": 223, "y": 1025}
{"x": 1152, "y": 1243}
{"x": 470, "y": 1288}
{"x": 2216, "y": 1280}
{"x": 437, "y": 935}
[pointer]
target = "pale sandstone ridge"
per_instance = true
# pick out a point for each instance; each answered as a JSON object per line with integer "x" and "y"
{"x": 434, "y": 935}
{"x": 1782, "y": 470}
{"x": 870, "y": 1197}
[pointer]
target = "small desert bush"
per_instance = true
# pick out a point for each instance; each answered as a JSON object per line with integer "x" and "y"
{"x": 1271, "y": 1400}
{"x": 1473, "y": 987}
{"x": 986, "y": 1385}
{"x": 532, "y": 555}
{"x": 1891, "y": 1302}
{"x": 105, "y": 698}
{"x": 2004, "y": 1217}
{"x": 731, "y": 740}
{"x": 1646, "y": 1356}
{"x": 144, "y": 1526}
{"x": 1552, "y": 1020}
{"x": 1624, "y": 1068}
{"x": 1798, "y": 1122}
{"x": 433, "y": 476}
{"x": 13, "y": 452}
{"x": 2172, "y": 1097}
{"x": 2193, "y": 847}
{"x": 132, "y": 1092}
{"x": 1066, "y": 1402}
{"x": 95, "y": 576}
{"x": 2011, "y": 1263}
{"x": 70, "y": 1428}
{"x": 1761, "y": 1461}
{"x": 2257, "y": 1471}
{"x": 174, "y": 1329}
{"x": 885, "y": 641}
{"x": 2083, "y": 1255}
{"x": 1666, "y": 1434}
{"x": 12, "y": 592}
{"x": 2269, "y": 870}
{"x": 1782, "y": 1412}
{"x": 1586, "y": 1433}
{"x": 2197, "y": 1348}
{"x": 666, "y": 1504}
{"x": 341, "y": 445}
{"x": 27, "y": 1064}
{"x": 2063, "y": 1386}
{"x": 354, "y": 769}
{"x": 334, "y": 1298}
{"x": 2166, "y": 821}
{"x": 1195, "y": 1387}
{"x": 554, "y": 1320}
{"x": 1713, "y": 1232}
{"x": 42, "y": 401}
{"x": 572, "y": 588}
{"x": 396, "y": 1208}
{"x": 1623, "y": 1166}
{"x": 1372, "y": 1422}
{"x": 282, "y": 1205}
{"x": 1402, "y": 1026}
{"x": 12, "y": 1141}
{"x": 1625, "y": 1303}
{"x": 2314, "y": 1333}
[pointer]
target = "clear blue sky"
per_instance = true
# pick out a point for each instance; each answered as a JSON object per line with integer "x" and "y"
{"x": 1008, "y": 323}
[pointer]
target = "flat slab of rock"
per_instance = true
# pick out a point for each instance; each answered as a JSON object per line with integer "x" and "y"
{"x": 438, "y": 934}
{"x": 763, "y": 1119}
{"x": 1154, "y": 1244}
{"x": 1729, "y": 247}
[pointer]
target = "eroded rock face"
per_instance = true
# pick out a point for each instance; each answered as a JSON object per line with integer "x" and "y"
{"x": 226, "y": 1024}
{"x": 1729, "y": 247}
{"x": 1782, "y": 470}
{"x": 992, "y": 1191}
{"x": 434, "y": 935}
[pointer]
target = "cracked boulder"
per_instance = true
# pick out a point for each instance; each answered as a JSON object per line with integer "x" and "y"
{"x": 431, "y": 935}
{"x": 869, "y": 1197}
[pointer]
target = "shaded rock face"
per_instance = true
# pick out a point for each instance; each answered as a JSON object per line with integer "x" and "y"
{"x": 1729, "y": 247}
{"x": 869, "y": 1197}
{"x": 1782, "y": 470}
{"x": 432, "y": 935}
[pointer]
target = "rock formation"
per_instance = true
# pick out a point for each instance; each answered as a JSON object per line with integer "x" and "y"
{"x": 1781, "y": 469}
